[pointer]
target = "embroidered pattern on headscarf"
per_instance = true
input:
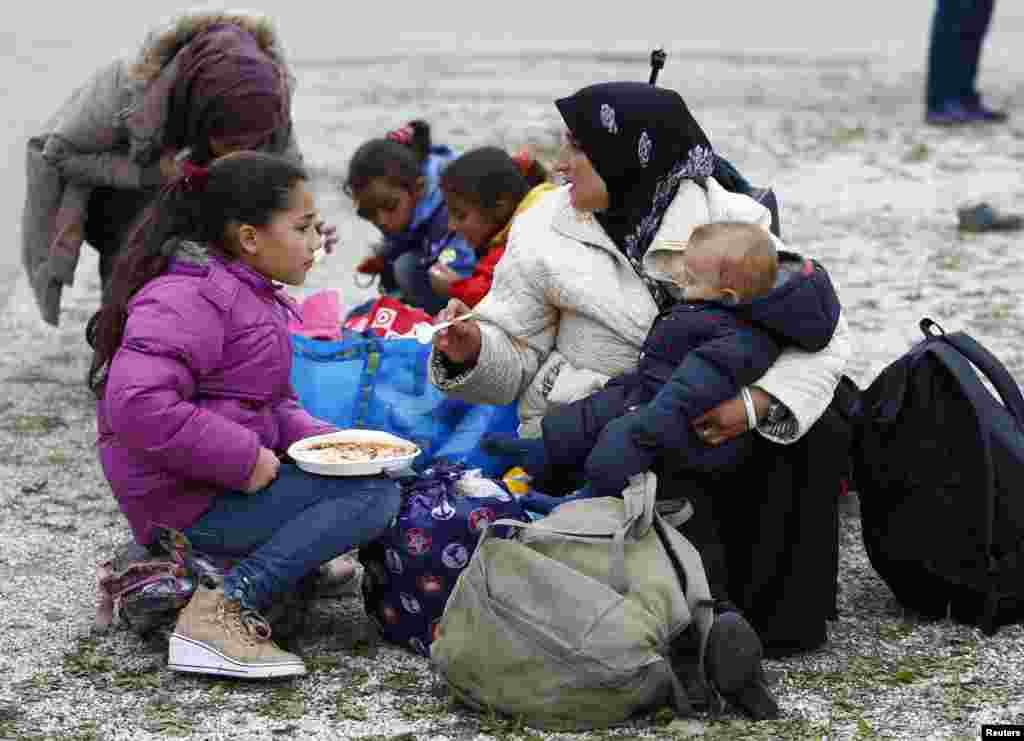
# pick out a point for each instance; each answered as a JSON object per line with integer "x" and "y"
{"x": 643, "y": 149}
{"x": 608, "y": 119}
{"x": 699, "y": 163}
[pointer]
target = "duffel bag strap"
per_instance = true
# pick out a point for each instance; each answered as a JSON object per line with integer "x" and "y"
{"x": 639, "y": 497}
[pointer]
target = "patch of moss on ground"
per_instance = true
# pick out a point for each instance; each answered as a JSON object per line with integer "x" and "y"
{"x": 958, "y": 699}
{"x": 84, "y": 661}
{"x": 504, "y": 728}
{"x": 10, "y": 715}
{"x": 895, "y": 631}
{"x": 782, "y": 729}
{"x": 345, "y": 708}
{"x": 37, "y": 687}
{"x": 864, "y": 673}
{"x": 143, "y": 678}
{"x": 949, "y": 260}
{"x": 848, "y": 134}
{"x": 322, "y": 664}
{"x": 284, "y": 702}
{"x": 56, "y": 458}
{"x": 164, "y": 716}
{"x": 917, "y": 153}
{"x": 403, "y": 681}
{"x": 428, "y": 709}
{"x": 33, "y": 424}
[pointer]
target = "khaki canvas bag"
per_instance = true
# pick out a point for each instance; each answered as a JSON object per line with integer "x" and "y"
{"x": 567, "y": 624}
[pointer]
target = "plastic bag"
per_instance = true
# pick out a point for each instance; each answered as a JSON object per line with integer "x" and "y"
{"x": 370, "y": 382}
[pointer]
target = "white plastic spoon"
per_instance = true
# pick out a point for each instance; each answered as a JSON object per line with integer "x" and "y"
{"x": 425, "y": 332}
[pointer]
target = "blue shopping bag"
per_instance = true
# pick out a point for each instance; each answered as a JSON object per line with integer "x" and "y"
{"x": 370, "y": 382}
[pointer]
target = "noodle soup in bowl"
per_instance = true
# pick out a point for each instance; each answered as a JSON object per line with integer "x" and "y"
{"x": 353, "y": 453}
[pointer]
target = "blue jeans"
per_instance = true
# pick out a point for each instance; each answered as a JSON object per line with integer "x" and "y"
{"x": 289, "y": 529}
{"x": 958, "y": 30}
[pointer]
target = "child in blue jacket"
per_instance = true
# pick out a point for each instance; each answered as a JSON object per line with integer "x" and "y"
{"x": 727, "y": 330}
{"x": 394, "y": 182}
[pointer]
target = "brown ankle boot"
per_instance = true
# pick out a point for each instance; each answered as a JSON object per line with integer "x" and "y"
{"x": 215, "y": 635}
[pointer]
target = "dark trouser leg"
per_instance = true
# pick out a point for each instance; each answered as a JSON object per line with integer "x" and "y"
{"x": 943, "y": 56}
{"x": 703, "y": 528}
{"x": 789, "y": 538}
{"x": 769, "y": 533}
{"x": 973, "y": 28}
{"x": 958, "y": 31}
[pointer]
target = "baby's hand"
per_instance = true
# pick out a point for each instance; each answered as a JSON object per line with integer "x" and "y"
{"x": 441, "y": 278}
{"x": 264, "y": 472}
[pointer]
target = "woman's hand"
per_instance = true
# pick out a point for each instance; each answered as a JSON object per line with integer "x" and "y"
{"x": 170, "y": 167}
{"x": 441, "y": 278}
{"x": 328, "y": 234}
{"x": 460, "y": 342}
{"x": 729, "y": 419}
{"x": 264, "y": 472}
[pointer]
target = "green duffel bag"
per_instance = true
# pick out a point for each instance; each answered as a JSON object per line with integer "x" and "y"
{"x": 568, "y": 624}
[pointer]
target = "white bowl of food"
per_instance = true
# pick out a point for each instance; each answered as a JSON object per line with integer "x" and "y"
{"x": 352, "y": 453}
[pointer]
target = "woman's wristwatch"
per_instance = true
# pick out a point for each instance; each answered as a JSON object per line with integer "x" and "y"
{"x": 776, "y": 411}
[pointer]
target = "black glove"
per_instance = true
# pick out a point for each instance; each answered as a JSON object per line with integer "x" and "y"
{"x": 616, "y": 457}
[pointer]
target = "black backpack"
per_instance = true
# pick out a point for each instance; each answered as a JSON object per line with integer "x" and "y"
{"x": 937, "y": 463}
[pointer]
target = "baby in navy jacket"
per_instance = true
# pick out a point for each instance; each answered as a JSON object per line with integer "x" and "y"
{"x": 738, "y": 310}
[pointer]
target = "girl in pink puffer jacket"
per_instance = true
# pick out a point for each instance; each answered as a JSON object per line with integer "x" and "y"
{"x": 191, "y": 371}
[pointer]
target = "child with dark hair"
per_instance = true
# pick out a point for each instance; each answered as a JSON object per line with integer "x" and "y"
{"x": 394, "y": 183}
{"x": 485, "y": 189}
{"x": 191, "y": 366}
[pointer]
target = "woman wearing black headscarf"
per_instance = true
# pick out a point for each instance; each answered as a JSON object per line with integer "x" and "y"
{"x": 570, "y": 306}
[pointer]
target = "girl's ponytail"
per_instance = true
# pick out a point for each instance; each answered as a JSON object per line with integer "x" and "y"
{"x": 415, "y": 135}
{"x": 174, "y": 211}
{"x": 530, "y": 168}
{"x": 398, "y": 157}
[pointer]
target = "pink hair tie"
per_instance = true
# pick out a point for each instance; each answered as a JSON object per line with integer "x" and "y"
{"x": 402, "y": 135}
{"x": 524, "y": 161}
{"x": 194, "y": 177}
